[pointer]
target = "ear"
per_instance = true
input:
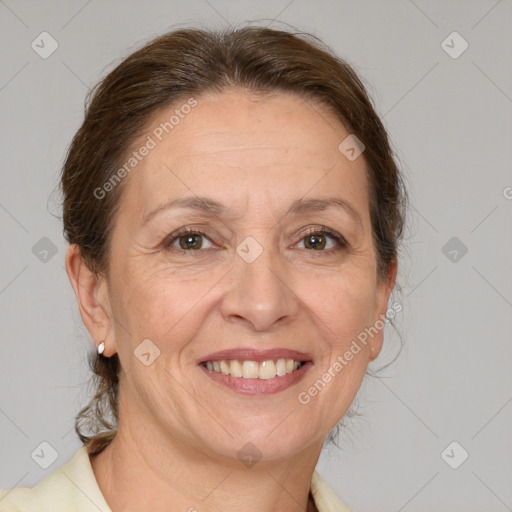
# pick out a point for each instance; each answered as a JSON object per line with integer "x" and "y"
{"x": 92, "y": 295}
{"x": 384, "y": 289}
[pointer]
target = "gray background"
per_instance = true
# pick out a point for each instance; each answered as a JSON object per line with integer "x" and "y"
{"x": 450, "y": 120}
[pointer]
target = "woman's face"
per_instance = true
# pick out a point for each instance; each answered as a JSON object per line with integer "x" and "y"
{"x": 250, "y": 178}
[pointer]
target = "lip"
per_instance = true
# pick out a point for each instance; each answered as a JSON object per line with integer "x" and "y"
{"x": 257, "y": 387}
{"x": 250, "y": 354}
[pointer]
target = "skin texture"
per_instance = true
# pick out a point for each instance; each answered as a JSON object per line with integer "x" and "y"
{"x": 179, "y": 432}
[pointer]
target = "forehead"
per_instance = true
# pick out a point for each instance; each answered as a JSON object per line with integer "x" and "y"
{"x": 237, "y": 144}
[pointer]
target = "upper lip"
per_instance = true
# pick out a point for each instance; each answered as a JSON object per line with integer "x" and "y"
{"x": 250, "y": 354}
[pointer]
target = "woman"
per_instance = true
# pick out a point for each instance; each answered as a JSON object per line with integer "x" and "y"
{"x": 233, "y": 211}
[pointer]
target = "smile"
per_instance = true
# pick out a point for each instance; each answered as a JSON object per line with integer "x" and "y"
{"x": 248, "y": 369}
{"x": 256, "y": 373}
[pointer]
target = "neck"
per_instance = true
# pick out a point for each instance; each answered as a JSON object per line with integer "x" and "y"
{"x": 155, "y": 472}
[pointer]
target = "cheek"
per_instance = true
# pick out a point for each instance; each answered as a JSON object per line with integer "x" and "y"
{"x": 343, "y": 309}
{"x": 162, "y": 304}
{"x": 344, "y": 305}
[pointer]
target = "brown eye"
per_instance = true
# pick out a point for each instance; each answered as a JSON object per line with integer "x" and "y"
{"x": 315, "y": 242}
{"x": 190, "y": 241}
{"x": 323, "y": 240}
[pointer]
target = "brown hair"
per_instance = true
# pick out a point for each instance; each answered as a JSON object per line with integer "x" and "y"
{"x": 189, "y": 62}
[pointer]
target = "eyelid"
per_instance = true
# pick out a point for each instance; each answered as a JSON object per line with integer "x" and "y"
{"x": 321, "y": 229}
{"x": 169, "y": 239}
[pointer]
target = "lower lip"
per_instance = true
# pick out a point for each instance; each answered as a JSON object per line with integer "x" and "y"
{"x": 259, "y": 386}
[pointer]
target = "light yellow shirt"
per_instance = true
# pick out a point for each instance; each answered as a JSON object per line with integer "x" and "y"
{"x": 73, "y": 488}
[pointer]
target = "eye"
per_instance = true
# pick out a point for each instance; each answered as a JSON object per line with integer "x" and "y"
{"x": 319, "y": 239}
{"x": 188, "y": 239}
{"x": 323, "y": 239}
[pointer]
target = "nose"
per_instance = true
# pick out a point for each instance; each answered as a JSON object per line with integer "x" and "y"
{"x": 260, "y": 294}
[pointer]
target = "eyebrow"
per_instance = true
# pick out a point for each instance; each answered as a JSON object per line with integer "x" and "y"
{"x": 213, "y": 208}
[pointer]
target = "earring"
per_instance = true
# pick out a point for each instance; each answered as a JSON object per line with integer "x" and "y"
{"x": 101, "y": 348}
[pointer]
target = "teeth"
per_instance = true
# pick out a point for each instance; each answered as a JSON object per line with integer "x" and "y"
{"x": 250, "y": 369}
{"x": 224, "y": 367}
{"x": 267, "y": 370}
{"x": 254, "y": 370}
{"x": 235, "y": 369}
{"x": 281, "y": 367}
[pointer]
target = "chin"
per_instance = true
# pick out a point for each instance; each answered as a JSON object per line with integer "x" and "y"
{"x": 260, "y": 440}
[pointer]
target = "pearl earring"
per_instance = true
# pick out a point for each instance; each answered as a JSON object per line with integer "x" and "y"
{"x": 101, "y": 348}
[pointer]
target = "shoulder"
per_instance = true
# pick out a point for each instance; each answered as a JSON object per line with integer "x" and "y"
{"x": 71, "y": 488}
{"x": 20, "y": 499}
{"x": 326, "y": 499}
{"x": 47, "y": 493}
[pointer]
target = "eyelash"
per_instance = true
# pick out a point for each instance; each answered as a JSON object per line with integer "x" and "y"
{"x": 324, "y": 230}
{"x": 316, "y": 230}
